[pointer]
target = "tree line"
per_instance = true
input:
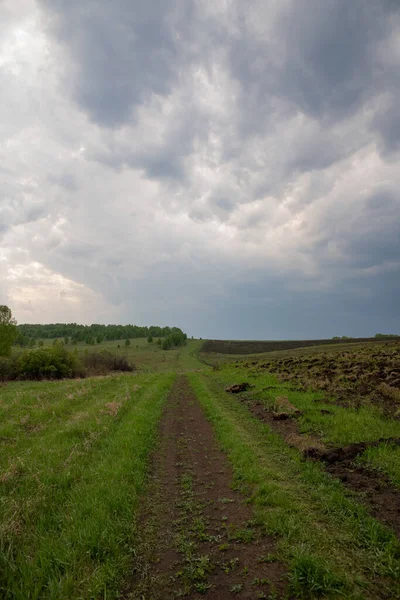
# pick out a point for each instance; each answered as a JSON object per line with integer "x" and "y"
{"x": 27, "y": 335}
{"x": 91, "y": 334}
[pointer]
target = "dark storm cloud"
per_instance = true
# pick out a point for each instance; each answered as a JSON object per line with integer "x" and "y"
{"x": 328, "y": 55}
{"x": 387, "y": 123}
{"x": 123, "y": 51}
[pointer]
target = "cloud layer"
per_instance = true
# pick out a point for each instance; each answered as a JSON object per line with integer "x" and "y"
{"x": 229, "y": 168}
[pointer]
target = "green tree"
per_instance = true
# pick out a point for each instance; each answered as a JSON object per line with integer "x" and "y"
{"x": 8, "y": 330}
{"x": 66, "y": 340}
{"x": 167, "y": 343}
{"x": 127, "y": 342}
{"x": 150, "y": 339}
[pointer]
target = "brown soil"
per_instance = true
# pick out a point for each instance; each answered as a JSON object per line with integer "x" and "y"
{"x": 258, "y": 347}
{"x": 370, "y": 374}
{"x": 373, "y": 489}
{"x": 197, "y": 536}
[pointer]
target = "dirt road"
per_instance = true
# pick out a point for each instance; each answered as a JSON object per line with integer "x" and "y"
{"x": 197, "y": 536}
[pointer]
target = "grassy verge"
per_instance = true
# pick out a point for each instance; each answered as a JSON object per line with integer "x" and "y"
{"x": 336, "y": 425}
{"x": 333, "y": 548}
{"x": 385, "y": 458}
{"x": 72, "y": 467}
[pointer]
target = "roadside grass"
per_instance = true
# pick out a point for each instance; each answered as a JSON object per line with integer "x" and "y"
{"x": 147, "y": 357}
{"x": 333, "y": 547}
{"x": 72, "y": 465}
{"x": 336, "y": 425}
{"x": 339, "y": 425}
{"x": 385, "y": 458}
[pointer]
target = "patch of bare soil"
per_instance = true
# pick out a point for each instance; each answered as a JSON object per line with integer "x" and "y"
{"x": 373, "y": 489}
{"x": 197, "y": 536}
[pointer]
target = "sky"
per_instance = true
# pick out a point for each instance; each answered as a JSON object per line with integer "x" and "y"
{"x": 228, "y": 167}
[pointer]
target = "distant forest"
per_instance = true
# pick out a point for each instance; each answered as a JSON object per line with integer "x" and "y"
{"x": 87, "y": 333}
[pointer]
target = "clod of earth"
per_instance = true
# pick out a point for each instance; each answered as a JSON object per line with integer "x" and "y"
{"x": 281, "y": 416}
{"x": 287, "y": 409}
{"x": 237, "y": 388}
{"x": 346, "y": 453}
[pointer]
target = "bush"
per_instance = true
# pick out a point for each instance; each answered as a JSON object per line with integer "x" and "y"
{"x": 49, "y": 363}
{"x": 8, "y": 368}
{"x": 167, "y": 343}
{"x": 100, "y": 363}
{"x": 175, "y": 339}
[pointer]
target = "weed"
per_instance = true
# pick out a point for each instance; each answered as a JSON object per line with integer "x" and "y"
{"x": 230, "y": 565}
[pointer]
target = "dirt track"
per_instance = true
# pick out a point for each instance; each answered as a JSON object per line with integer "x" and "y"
{"x": 197, "y": 537}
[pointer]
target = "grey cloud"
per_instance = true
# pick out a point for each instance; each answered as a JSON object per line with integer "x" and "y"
{"x": 123, "y": 52}
{"x": 241, "y": 144}
{"x": 387, "y": 124}
{"x": 328, "y": 55}
{"x": 67, "y": 181}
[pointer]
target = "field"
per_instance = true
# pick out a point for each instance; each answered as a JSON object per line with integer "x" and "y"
{"x": 147, "y": 357}
{"x": 257, "y": 347}
{"x": 163, "y": 484}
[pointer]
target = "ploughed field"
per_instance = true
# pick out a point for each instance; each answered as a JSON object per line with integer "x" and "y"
{"x": 275, "y": 476}
{"x": 242, "y": 347}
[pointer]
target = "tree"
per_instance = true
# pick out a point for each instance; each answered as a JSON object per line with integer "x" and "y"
{"x": 127, "y": 342}
{"x": 167, "y": 343}
{"x": 66, "y": 340}
{"x": 8, "y": 330}
{"x": 150, "y": 339}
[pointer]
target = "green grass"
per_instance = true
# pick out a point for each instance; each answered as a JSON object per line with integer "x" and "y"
{"x": 385, "y": 458}
{"x": 72, "y": 466}
{"x": 342, "y": 427}
{"x": 333, "y": 547}
{"x": 147, "y": 357}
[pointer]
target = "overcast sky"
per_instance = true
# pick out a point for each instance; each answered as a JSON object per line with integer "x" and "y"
{"x": 230, "y": 167}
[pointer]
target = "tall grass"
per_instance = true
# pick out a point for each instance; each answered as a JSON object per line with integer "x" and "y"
{"x": 74, "y": 466}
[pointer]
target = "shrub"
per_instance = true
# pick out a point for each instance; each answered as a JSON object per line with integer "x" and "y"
{"x": 127, "y": 342}
{"x": 167, "y": 343}
{"x": 150, "y": 339}
{"x": 175, "y": 339}
{"x": 8, "y": 368}
{"x": 104, "y": 362}
{"x": 49, "y": 363}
